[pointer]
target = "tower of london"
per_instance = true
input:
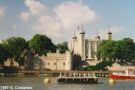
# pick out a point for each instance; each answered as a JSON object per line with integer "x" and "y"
{"x": 86, "y": 48}
{"x": 81, "y": 50}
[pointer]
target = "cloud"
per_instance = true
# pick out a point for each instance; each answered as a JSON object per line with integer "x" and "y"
{"x": 2, "y": 12}
{"x": 25, "y": 16}
{"x": 71, "y": 14}
{"x": 35, "y": 7}
{"x": 60, "y": 21}
{"x": 48, "y": 25}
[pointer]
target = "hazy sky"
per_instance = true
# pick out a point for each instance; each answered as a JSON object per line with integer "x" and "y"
{"x": 58, "y": 19}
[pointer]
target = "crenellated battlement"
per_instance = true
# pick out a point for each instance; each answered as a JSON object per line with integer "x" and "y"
{"x": 58, "y": 61}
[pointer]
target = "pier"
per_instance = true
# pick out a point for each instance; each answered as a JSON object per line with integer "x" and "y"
{"x": 65, "y": 73}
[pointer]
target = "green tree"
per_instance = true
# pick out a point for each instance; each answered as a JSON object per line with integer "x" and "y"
{"x": 3, "y": 54}
{"x": 107, "y": 50}
{"x": 62, "y": 47}
{"x": 126, "y": 51}
{"x": 122, "y": 50}
{"x": 41, "y": 44}
{"x": 15, "y": 47}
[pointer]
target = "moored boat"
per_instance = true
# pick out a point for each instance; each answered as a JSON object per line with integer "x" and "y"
{"x": 126, "y": 75}
{"x": 79, "y": 78}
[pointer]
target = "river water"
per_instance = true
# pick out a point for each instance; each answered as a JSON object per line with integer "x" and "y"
{"x": 36, "y": 83}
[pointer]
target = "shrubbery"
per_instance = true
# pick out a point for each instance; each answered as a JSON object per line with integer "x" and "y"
{"x": 100, "y": 66}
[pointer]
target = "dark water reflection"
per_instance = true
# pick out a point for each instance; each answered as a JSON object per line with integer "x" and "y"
{"x": 37, "y": 84}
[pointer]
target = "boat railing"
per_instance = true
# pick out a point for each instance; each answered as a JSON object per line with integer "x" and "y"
{"x": 86, "y": 75}
{"x": 125, "y": 73}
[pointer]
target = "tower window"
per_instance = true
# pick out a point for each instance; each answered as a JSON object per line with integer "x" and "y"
{"x": 54, "y": 63}
{"x": 63, "y": 63}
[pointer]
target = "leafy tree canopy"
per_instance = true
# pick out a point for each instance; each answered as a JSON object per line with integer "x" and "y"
{"x": 122, "y": 51}
{"x": 3, "y": 54}
{"x": 41, "y": 44}
{"x": 15, "y": 46}
{"x": 62, "y": 47}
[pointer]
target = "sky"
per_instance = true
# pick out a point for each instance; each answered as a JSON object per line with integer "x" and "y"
{"x": 59, "y": 19}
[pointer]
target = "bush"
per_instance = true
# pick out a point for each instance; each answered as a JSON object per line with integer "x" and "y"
{"x": 99, "y": 66}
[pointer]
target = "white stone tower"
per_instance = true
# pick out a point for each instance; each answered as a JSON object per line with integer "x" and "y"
{"x": 82, "y": 44}
{"x": 68, "y": 60}
{"x": 109, "y": 34}
{"x": 74, "y": 40}
{"x": 97, "y": 40}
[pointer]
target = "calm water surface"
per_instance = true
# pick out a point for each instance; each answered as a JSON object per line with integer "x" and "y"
{"x": 37, "y": 84}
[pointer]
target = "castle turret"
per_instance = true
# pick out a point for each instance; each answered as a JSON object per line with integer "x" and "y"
{"x": 68, "y": 60}
{"x": 109, "y": 34}
{"x": 82, "y": 45}
{"x": 74, "y": 40}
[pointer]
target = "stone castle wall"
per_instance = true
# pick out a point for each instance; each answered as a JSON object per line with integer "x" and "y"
{"x": 57, "y": 61}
